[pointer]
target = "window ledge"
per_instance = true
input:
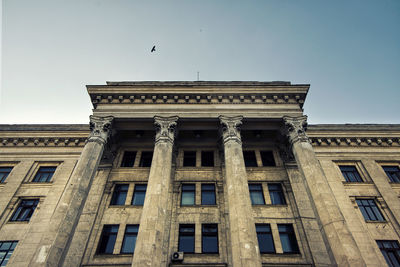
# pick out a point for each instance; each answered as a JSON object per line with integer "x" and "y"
{"x": 357, "y": 183}
{"x": 18, "y": 222}
{"x": 369, "y": 221}
{"x": 124, "y": 206}
{"x": 199, "y": 206}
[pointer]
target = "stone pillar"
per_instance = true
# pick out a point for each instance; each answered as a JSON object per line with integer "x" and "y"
{"x": 341, "y": 242}
{"x": 151, "y": 249}
{"x": 244, "y": 244}
{"x": 70, "y": 207}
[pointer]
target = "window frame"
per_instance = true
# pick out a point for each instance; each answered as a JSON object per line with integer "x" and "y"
{"x": 118, "y": 191}
{"x": 3, "y": 174}
{"x": 208, "y": 190}
{"x": 358, "y": 177}
{"x": 280, "y": 192}
{"x": 365, "y": 212}
{"x": 130, "y": 234}
{"x": 189, "y": 157}
{"x": 291, "y": 236}
{"x": 382, "y": 248}
{"x": 272, "y": 157}
{"x": 389, "y": 176}
{"x": 103, "y": 234}
{"x": 11, "y": 249}
{"x": 191, "y": 234}
{"x": 187, "y": 191}
{"x": 261, "y": 192}
{"x": 214, "y": 234}
{"x": 142, "y": 161}
{"x": 247, "y": 151}
{"x": 123, "y": 160}
{"x": 135, "y": 191}
{"x": 266, "y": 233}
{"x": 203, "y": 155}
{"x": 36, "y": 179}
{"x": 21, "y": 208}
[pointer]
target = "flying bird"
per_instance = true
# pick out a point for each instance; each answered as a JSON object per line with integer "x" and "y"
{"x": 153, "y": 49}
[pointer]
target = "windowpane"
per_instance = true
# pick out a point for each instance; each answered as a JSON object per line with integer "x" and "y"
{"x": 128, "y": 245}
{"x": 207, "y": 194}
{"x": 256, "y": 194}
{"x": 189, "y": 158}
{"x": 276, "y": 194}
{"x": 186, "y": 238}
{"x": 145, "y": 160}
{"x": 250, "y": 158}
{"x": 139, "y": 194}
{"x": 119, "y": 195}
{"x": 25, "y": 210}
{"x": 207, "y": 158}
{"x": 44, "y": 174}
{"x": 264, "y": 237}
{"x": 128, "y": 159}
{"x": 267, "y": 158}
{"x": 351, "y": 174}
{"x": 369, "y": 210}
{"x": 391, "y": 251}
{"x": 188, "y": 194}
{"x": 107, "y": 240}
{"x": 209, "y": 238}
{"x": 288, "y": 238}
{"x": 4, "y": 172}
{"x": 6, "y": 250}
{"x": 393, "y": 172}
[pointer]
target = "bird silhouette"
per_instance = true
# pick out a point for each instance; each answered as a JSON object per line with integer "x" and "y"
{"x": 153, "y": 49}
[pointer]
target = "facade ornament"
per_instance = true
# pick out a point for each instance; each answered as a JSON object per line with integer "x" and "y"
{"x": 165, "y": 128}
{"x": 231, "y": 128}
{"x": 295, "y": 129}
{"x": 100, "y": 129}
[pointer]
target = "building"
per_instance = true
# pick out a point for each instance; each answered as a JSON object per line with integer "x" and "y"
{"x": 226, "y": 172}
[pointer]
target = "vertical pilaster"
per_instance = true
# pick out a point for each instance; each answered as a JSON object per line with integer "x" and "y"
{"x": 333, "y": 224}
{"x": 244, "y": 244}
{"x": 54, "y": 244}
{"x": 150, "y": 245}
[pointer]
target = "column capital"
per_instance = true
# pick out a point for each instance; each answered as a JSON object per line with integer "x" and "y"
{"x": 295, "y": 129}
{"x": 230, "y": 128}
{"x": 165, "y": 128}
{"x": 100, "y": 129}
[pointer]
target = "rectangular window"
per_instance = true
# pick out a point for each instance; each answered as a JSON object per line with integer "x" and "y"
{"x": 44, "y": 174}
{"x": 207, "y": 158}
{"x": 250, "y": 158}
{"x": 4, "y": 172}
{"x": 265, "y": 240}
{"x": 276, "y": 194}
{"x": 128, "y": 245}
{"x": 186, "y": 238}
{"x": 393, "y": 172}
{"x": 351, "y": 174}
{"x": 129, "y": 159}
{"x": 207, "y": 194}
{"x": 288, "y": 238}
{"x": 209, "y": 238}
{"x": 119, "y": 195}
{"x": 25, "y": 210}
{"x": 256, "y": 194}
{"x": 369, "y": 210}
{"x": 145, "y": 160}
{"x": 267, "y": 158}
{"x": 107, "y": 239}
{"x": 6, "y": 250}
{"x": 139, "y": 194}
{"x": 391, "y": 251}
{"x": 189, "y": 158}
{"x": 188, "y": 194}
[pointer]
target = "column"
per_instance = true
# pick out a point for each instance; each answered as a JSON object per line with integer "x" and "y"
{"x": 337, "y": 233}
{"x": 244, "y": 244}
{"x": 151, "y": 248}
{"x": 63, "y": 223}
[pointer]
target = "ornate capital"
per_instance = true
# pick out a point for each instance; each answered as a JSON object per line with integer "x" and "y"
{"x": 100, "y": 129}
{"x": 230, "y": 128}
{"x": 295, "y": 129}
{"x": 165, "y": 128}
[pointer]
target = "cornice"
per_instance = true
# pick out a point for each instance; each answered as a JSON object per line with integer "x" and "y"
{"x": 350, "y": 141}
{"x": 42, "y": 141}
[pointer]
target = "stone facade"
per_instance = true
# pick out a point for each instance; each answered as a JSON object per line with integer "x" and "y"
{"x": 280, "y": 194}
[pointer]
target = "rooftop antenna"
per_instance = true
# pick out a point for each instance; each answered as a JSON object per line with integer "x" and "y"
{"x": 198, "y": 75}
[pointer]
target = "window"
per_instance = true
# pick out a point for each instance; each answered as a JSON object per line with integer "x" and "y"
{"x": 188, "y": 194}
{"x": 267, "y": 158}
{"x": 139, "y": 194}
{"x": 44, "y": 174}
{"x": 119, "y": 195}
{"x": 393, "y": 172}
{"x": 250, "y": 158}
{"x": 256, "y": 194}
{"x": 265, "y": 240}
{"x": 186, "y": 238}
{"x": 107, "y": 239}
{"x": 129, "y": 159}
{"x": 6, "y": 250}
{"x": 288, "y": 238}
{"x": 145, "y": 160}
{"x": 189, "y": 158}
{"x": 207, "y": 158}
{"x": 369, "y": 210}
{"x": 4, "y": 172}
{"x": 128, "y": 245}
{"x": 351, "y": 174}
{"x": 276, "y": 194}
{"x": 209, "y": 238}
{"x": 207, "y": 194}
{"x": 25, "y": 210}
{"x": 391, "y": 251}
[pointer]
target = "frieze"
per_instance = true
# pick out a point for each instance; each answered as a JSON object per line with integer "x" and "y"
{"x": 355, "y": 141}
{"x": 43, "y": 141}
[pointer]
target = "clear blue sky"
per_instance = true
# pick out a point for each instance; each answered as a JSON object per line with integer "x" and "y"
{"x": 349, "y": 51}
